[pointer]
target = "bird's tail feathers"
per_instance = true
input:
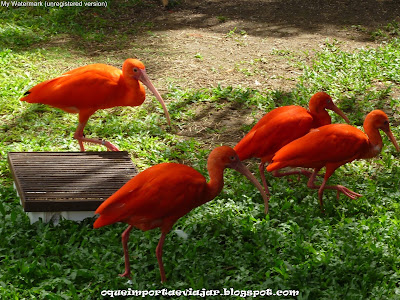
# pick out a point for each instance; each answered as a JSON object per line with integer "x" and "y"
{"x": 276, "y": 166}
{"x": 29, "y": 98}
{"x": 104, "y": 220}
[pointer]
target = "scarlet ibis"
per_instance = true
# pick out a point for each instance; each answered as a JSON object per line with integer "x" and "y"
{"x": 160, "y": 195}
{"x": 98, "y": 86}
{"x": 332, "y": 146}
{"x": 281, "y": 126}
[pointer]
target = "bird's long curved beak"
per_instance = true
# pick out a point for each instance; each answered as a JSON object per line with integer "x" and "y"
{"x": 238, "y": 166}
{"x": 339, "y": 112}
{"x": 392, "y": 139}
{"x": 146, "y": 81}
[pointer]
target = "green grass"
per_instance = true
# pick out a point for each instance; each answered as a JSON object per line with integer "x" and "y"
{"x": 24, "y": 26}
{"x": 350, "y": 252}
{"x": 360, "y": 81}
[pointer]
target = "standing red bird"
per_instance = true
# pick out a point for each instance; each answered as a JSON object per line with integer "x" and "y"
{"x": 281, "y": 126}
{"x": 86, "y": 89}
{"x": 332, "y": 146}
{"x": 160, "y": 195}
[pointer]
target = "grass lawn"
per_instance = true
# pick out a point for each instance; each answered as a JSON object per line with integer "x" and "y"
{"x": 350, "y": 252}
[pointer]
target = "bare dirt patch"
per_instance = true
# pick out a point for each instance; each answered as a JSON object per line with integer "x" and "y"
{"x": 206, "y": 43}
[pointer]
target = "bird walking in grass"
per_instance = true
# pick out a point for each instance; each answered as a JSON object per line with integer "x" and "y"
{"x": 282, "y": 126}
{"x": 98, "y": 86}
{"x": 332, "y": 146}
{"x": 160, "y": 195}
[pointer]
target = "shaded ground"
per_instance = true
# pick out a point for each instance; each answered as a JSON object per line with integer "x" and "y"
{"x": 205, "y": 43}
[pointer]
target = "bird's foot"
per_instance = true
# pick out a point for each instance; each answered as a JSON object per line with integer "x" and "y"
{"x": 163, "y": 278}
{"x": 81, "y": 139}
{"x": 110, "y": 147}
{"x": 126, "y": 274}
{"x": 347, "y": 192}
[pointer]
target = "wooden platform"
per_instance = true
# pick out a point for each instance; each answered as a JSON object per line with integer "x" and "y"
{"x": 68, "y": 181}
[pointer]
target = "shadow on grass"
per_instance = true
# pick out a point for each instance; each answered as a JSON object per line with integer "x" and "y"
{"x": 117, "y": 26}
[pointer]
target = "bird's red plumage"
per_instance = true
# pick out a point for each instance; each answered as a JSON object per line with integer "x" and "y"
{"x": 283, "y": 125}
{"x": 336, "y": 143}
{"x": 98, "y": 86}
{"x": 277, "y": 128}
{"x": 332, "y": 146}
{"x": 162, "y": 193}
{"x": 90, "y": 87}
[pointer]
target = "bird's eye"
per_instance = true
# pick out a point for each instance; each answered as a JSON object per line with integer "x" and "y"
{"x": 135, "y": 70}
{"x": 232, "y": 158}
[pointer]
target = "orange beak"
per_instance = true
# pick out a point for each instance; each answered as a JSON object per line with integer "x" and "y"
{"x": 337, "y": 110}
{"x": 392, "y": 139}
{"x": 238, "y": 166}
{"x": 146, "y": 81}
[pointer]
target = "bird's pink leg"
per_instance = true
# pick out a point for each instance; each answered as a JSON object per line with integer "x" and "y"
{"x": 159, "y": 256}
{"x": 80, "y": 137}
{"x": 323, "y": 186}
{"x": 304, "y": 172}
{"x": 341, "y": 189}
{"x": 125, "y": 238}
{"x": 79, "y": 134}
{"x": 261, "y": 167}
{"x": 312, "y": 185}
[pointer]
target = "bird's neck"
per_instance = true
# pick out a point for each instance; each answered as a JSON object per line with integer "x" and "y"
{"x": 215, "y": 185}
{"x": 134, "y": 92}
{"x": 375, "y": 141}
{"x": 320, "y": 116}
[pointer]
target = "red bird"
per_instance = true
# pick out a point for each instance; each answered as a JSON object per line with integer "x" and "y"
{"x": 281, "y": 126}
{"x": 332, "y": 146}
{"x": 160, "y": 195}
{"x": 86, "y": 89}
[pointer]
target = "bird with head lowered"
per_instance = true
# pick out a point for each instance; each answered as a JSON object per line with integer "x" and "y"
{"x": 281, "y": 126}
{"x": 160, "y": 195}
{"x": 332, "y": 146}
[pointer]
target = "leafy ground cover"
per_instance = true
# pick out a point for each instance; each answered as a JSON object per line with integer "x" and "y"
{"x": 350, "y": 252}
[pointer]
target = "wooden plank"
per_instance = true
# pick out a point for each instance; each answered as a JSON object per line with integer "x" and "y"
{"x": 68, "y": 181}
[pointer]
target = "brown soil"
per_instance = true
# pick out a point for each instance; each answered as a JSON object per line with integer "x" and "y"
{"x": 206, "y": 43}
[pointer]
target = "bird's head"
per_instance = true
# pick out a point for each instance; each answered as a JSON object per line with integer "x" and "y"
{"x": 377, "y": 119}
{"x": 133, "y": 68}
{"x": 321, "y": 101}
{"x": 225, "y": 157}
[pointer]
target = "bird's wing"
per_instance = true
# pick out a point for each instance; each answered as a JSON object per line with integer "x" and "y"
{"x": 331, "y": 143}
{"x": 77, "y": 89}
{"x": 273, "y": 131}
{"x": 162, "y": 191}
